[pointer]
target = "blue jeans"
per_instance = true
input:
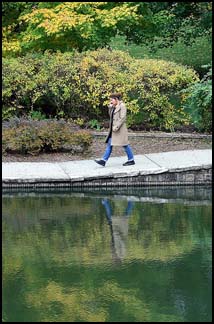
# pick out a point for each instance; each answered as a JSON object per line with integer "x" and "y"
{"x": 108, "y": 151}
{"x": 108, "y": 209}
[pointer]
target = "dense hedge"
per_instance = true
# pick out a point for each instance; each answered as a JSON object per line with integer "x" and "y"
{"x": 198, "y": 102}
{"x": 32, "y": 137}
{"x": 78, "y": 85}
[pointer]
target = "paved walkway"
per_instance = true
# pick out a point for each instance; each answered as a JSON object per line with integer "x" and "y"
{"x": 88, "y": 169}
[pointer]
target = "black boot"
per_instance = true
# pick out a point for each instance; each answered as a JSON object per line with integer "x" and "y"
{"x": 129, "y": 163}
{"x": 100, "y": 162}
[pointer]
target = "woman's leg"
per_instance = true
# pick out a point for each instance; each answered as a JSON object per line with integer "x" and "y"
{"x": 129, "y": 208}
{"x": 129, "y": 152}
{"x": 108, "y": 209}
{"x": 108, "y": 151}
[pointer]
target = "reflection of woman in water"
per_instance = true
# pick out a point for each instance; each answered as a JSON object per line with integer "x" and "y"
{"x": 119, "y": 229}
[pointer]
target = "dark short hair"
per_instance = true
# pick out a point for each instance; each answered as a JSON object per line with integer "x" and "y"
{"x": 116, "y": 95}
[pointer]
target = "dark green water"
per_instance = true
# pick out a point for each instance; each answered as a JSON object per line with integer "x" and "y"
{"x": 141, "y": 255}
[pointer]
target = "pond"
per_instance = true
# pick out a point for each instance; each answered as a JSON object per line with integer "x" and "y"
{"x": 135, "y": 255}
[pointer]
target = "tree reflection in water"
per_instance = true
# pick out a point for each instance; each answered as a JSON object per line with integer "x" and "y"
{"x": 57, "y": 260}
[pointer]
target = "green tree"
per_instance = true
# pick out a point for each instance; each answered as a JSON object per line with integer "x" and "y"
{"x": 64, "y": 26}
{"x": 167, "y": 22}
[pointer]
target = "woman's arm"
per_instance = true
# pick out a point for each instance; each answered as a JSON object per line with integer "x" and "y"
{"x": 121, "y": 120}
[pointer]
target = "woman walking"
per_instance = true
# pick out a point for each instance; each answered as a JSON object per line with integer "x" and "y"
{"x": 118, "y": 133}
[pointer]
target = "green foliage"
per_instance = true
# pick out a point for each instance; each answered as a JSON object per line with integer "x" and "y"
{"x": 12, "y": 10}
{"x": 8, "y": 112}
{"x": 23, "y": 139}
{"x": 194, "y": 55}
{"x": 65, "y": 26}
{"x": 154, "y": 90}
{"x": 37, "y": 115}
{"x": 38, "y": 81}
{"x": 94, "y": 123}
{"x": 170, "y": 21}
{"x": 33, "y": 137}
{"x": 79, "y": 85}
{"x": 79, "y": 121}
{"x": 18, "y": 88}
{"x": 198, "y": 102}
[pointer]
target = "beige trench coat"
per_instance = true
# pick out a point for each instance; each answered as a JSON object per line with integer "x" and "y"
{"x": 119, "y": 129}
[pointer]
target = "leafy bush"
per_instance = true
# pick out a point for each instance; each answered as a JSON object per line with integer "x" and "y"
{"x": 194, "y": 54}
{"x": 32, "y": 137}
{"x": 78, "y": 86}
{"x": 37, "y": 115}
{"x": 198, "y": 102}
{"x": 94, "y": 124}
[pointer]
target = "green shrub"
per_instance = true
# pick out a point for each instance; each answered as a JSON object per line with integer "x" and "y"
{"x": 94, "y": 124}
{"x": 78, "y": 86}
{"x": 37, "y": 115}
{"x": 19, "y": 84}
{"x": 8, "y": 112}
{"x": 33, "y": 137}
{"x": 198, "y": 102}
{"x": 194, "y": 55}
